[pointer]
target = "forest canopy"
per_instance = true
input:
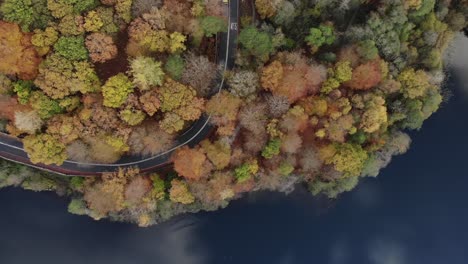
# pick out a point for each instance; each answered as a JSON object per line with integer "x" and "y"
{"x": 322, "y": 94}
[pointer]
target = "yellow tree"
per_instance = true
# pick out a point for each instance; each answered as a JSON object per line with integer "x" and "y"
{"x": 346, "y": 158}
{"x": 123, "y": 9}
{"x": 116, "y": 90}
{"x": 271, "y": 76}
{"x": 93, "y": 22}
{"x": 44, "y": 39}
{"x": 375, "y": 115}
{"x": 176, "y": 42}
{"x": 172, "y": 123}
{"x": 265, "y": 8}
{"x": 219, "y": 153}
{"x": 174, "y": 95}
{"x": 414, "y": 83}
{"x": 180, "y": 104}
{"x": 342, "y": 72}
{"x": 156, "y": 41}
{"x": 44, "y": 148}
{"x": 180, "y": 192}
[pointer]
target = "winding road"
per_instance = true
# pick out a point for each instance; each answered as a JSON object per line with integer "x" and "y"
{"x": 12, "y": 149}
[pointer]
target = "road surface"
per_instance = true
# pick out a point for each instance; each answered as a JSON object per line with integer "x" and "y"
{"x": 12, "y": 149}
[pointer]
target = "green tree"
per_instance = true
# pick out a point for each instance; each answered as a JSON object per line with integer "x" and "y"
{"x": 23, "y": 90}
{"x": 433, "y": 59}
{"x": 38, "y": 183}
{"x": 44, "y": 39}
{"x": 426, "y": 7}
{"x": 342, "y": 72}
{"x": 116, "y": 90}
{"x": 106, "y": 14}
{"x": 61, "y": 8}
{"x": 77, "y": 183}
{"x": 389, "y": 30}
{"x": 319, "y": 36}
{"x": 367, "y": 49}
{"x": 272, "y": 148}
{"x": 246, "y": 171}
{"x": 418, "y": 110}
{"x": 159, "y": 187}
{"x": 285, "y": 13}
{"x": 77, "y": 207}
{"x": 175, "y": 66}
{"x": 29, "y": 14}
{"x": 72, "y": 48}
{"x": 285, "y": 169}
{"x": 132, "y": 117}
{"x": 45, "y": 107}
{"x": 212, "y": 25}
{"x": 432, "y": 101}
{"x": 123, "y": 8}
{"x": 333, "y": 188}
{"x": 414, "y": 117}
{"x": 70, "y": 103}
{"x": 257, "y": 43}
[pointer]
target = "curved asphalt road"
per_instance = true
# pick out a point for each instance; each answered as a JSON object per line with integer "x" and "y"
{"x": 12, "y": 149}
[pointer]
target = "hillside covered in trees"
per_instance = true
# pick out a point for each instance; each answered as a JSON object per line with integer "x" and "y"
{"x": 322, "y": 94}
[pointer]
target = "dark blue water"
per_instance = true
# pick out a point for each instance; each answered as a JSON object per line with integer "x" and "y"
{"x": 414, "y": 212}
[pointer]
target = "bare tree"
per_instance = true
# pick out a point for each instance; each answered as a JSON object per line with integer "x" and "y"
{"x": 140, "y": 7}
{"x": 277, "y": 105}
{"x": 199, "y": 73}
{"x": 149, "y": 139}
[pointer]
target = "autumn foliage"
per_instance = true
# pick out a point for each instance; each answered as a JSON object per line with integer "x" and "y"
{"x": 304, "y": 95}
{"x": 17, "y": 53}
{"x": 190, "y": 163}
{"x": 366, "y": 76}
